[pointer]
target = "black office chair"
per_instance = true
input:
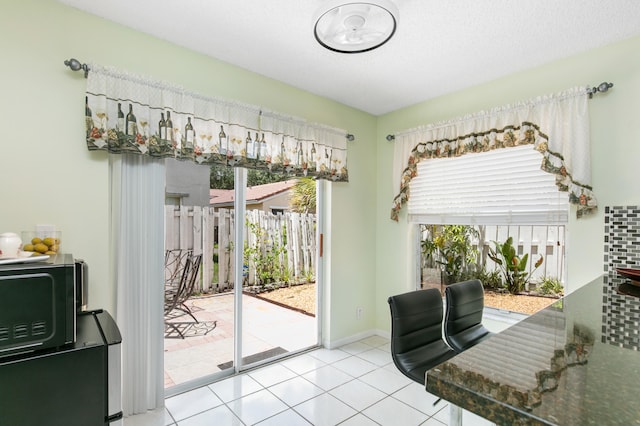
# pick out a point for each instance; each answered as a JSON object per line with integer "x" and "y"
{"x": 416, "y": 333}
{"x": 463, "y": 316}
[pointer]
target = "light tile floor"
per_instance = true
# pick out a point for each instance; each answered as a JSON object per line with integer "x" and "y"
{"x": 356, "y": 384}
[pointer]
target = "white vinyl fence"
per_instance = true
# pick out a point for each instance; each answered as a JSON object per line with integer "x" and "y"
{"x": 210, "y": 233}
{"x": 548, "y": 241}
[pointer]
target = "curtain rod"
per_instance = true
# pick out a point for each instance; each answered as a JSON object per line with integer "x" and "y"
{"x": 602, "y": 87}
{"x": 76, "y": 65}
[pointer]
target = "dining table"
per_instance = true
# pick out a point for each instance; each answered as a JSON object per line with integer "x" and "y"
{"x": 575, "y": 362}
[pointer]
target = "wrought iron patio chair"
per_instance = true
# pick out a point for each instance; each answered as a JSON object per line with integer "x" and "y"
{"x": 174, "y": 262}
{"x": 176, "y": 296}
{"x": 176, "y": 303}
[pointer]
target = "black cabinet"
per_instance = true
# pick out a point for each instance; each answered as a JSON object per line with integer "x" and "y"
{"x": 78, "y": 384}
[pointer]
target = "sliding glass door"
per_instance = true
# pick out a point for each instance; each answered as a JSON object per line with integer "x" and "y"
{"x": 254, "y": 297}
{"x": 279, "y": 295}
{"x": 200, "y": 326}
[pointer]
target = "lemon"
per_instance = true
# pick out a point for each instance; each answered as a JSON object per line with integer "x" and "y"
{"x": 40, "y": 248}
{"x": 49, "y": 252}
{"x": 28, "y": 247}
{"x": 35, "y": 241}
{"x": 54, "y": 248}
{"x": 48, "y": 241}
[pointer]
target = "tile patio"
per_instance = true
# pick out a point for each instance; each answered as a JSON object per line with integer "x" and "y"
{"x": 266, "y": 327}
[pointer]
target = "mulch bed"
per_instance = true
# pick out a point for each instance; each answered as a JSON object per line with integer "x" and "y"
{"x": 302, "y": 298}
{"x": 523, "y": 303}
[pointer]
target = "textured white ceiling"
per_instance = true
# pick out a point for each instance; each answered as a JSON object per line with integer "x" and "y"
{"x": 440, "y": 46}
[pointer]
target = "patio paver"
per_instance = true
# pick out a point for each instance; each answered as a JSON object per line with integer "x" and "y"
{"x": 266, "y": 326}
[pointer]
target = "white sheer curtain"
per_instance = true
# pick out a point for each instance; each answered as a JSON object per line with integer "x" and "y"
{"x": 137, "y": 246}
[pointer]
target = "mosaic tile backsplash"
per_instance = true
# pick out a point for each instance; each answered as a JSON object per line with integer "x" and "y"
{"x": 621, "y": 313}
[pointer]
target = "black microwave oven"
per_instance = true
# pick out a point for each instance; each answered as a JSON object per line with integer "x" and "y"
{"x": 38, "y": 303}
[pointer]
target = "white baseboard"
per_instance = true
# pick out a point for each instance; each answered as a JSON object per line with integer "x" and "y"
{"x": 355, "y": 337}
{"x": 383, "y": 333}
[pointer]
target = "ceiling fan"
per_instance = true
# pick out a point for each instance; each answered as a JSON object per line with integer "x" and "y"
{"x": 357, "y": 26}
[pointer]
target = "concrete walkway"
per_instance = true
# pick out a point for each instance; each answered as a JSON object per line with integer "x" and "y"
{"x": 267, "y": 329}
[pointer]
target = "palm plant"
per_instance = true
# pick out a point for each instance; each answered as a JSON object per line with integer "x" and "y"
{"x": 303, "y": 197}
{"x": 513, "y": 267}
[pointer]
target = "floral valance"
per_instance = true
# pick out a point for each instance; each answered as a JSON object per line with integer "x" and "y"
{"x": 132, "y": 114}
{"x": 555, "y": 125}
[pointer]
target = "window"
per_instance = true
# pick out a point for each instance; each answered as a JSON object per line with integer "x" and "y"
{"x": 465, "y": 205}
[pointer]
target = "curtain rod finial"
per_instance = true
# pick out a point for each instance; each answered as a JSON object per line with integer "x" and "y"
{"x": 350, "y": 137}
{"x": 75, "y": 65}
{"x": 603, "y": 87}
{"x": 391, "y": 138}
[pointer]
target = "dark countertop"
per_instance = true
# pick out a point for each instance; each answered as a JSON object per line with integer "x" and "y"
{"x": 575, "y": 362}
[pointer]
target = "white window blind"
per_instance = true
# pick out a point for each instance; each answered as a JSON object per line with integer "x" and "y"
{"x": 504, "y": 186}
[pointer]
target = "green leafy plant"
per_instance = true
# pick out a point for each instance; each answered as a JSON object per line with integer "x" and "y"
{"x": 303, "y": 196}
{"x": 450, "y": 247}
{"x": 550, "y": 286}
{"x": 287, "y": 275}
{"x": 490, "y": 279}
{"x": 308, "y": 276}
{"x": 512, "y": 266}
{"x": 265, "y": 255}
{"x": 222, "y": 177}
{"x": 215, "y": 253}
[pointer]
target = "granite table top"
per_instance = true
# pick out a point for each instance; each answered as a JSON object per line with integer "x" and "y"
{"x": 575, "y": 362}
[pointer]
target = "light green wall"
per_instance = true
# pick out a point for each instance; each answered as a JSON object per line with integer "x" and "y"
{"x": 48, "y": 176}
{"x": 615, "y": 139}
